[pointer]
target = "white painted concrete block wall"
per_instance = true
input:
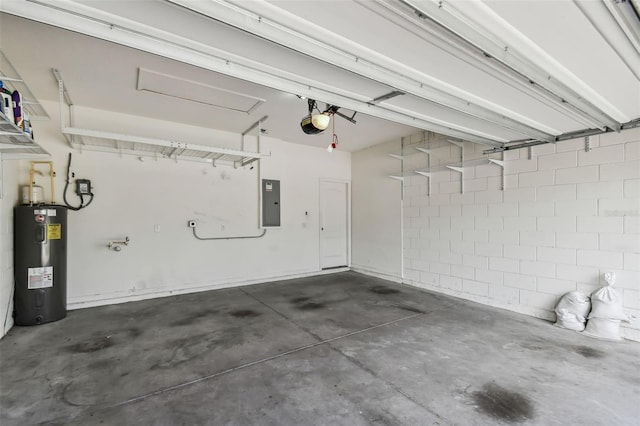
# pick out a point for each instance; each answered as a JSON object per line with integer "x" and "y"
{"x": 565, "y": 218}
{"x": 377, "y": 219}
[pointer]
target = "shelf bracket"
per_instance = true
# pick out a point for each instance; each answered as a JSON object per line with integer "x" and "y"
{"x": 257, "y": 124}
{"x": 63, "y": 98}
{"x": 456, "y": 143}
{"x": 428, "y": 175}
{"x": 396, "y": 156}
{"x": 461, "y": 171}
{"x": 398, "y": 178}
{"x": 456, "y": 169}
{"x": 499, "y": 163}
{"x": 425, "y": 150}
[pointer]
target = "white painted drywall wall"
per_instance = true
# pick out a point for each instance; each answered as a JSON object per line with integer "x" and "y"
{"x": 566, "y": 217}
{"x": 9, "y": 195}
{"x": 377, "y": 212}
{"x": 134, "y": 196}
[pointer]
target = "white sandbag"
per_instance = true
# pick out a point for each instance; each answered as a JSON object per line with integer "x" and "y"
{"x": 603, "y": 328}
{"x": 566, "y": 319}
{"x": 606, "y": 302}
{"x": 572, "y": 310}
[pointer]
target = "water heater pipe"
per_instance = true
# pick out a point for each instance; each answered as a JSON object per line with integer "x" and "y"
{"x": 33, "y": 172}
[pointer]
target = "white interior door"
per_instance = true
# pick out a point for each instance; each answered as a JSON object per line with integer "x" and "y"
{"x": 333, "y": 224}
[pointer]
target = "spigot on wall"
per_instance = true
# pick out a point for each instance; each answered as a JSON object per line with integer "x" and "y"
{"x": 117, "y": 245}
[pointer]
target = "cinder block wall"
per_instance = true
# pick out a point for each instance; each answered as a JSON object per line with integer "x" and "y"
{"x": 565, "y": 217}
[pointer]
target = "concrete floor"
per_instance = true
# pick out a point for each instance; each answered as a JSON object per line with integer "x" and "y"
{"x": 339, "y": 349}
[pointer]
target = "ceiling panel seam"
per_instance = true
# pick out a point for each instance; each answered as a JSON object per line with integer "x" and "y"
{"x": 364, "y": 62}
{"x": 612, "y": 34}
{"x": 479, "y": 25}
{"x": 116, "y": 29}
{"x": 472, "y": 55}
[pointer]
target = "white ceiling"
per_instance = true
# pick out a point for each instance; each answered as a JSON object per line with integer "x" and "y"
{"x": 492, "y": 72}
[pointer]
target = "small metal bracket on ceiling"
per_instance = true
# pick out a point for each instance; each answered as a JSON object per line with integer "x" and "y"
{"x": 385, "y": 97}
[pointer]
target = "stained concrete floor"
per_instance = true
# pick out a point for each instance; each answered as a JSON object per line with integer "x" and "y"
{"x": 339, "y": 349}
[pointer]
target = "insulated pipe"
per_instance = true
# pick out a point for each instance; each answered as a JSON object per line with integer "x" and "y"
{"x": 32, "y": 173}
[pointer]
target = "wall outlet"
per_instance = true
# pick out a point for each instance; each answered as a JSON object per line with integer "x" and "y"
{"x": 192, "y": 223}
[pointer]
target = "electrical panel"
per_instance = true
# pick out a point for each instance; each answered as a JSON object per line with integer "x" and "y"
{"x": 270, "y": 203}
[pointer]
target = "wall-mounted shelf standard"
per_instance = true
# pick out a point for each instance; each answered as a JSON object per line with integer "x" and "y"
{"x": 93, "y": 140}
{"x": 17, "y": 145}
{"x": 499, "y": 163}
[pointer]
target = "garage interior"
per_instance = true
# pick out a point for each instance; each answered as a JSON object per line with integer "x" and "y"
{"x": 235, "y": 263}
